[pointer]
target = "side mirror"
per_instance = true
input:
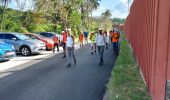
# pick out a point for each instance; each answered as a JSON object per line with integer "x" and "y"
{"x": 14, "y": 39}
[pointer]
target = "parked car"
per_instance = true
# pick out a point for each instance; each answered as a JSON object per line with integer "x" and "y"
{"x": 7, "y": 51}
{"x": 48, "y": 42}
{"x": 22, "y": 44}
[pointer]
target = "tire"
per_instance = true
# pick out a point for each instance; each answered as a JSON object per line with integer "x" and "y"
{"x": 25, "y": 51}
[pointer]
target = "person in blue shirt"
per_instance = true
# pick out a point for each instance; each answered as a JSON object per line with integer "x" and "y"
{"x": 85, "y": 36}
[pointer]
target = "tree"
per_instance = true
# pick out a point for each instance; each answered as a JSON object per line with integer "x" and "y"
{"x": 105, "y": 20}
{"x": 118, "y": 20}
{"x": 87, "y": 7}
{"x": 107, "y": 14}
{"x": 5, "y": 4}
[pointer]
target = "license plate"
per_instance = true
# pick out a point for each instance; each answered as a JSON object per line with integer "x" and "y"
{"x": 10, "y": 53}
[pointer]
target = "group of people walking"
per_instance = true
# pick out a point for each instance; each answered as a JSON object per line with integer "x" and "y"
{"x": 99, "y": 40}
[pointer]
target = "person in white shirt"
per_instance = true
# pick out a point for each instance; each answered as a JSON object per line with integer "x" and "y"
{"x": 107, "y": 39}
{"x": 70, "y": 48}
{"x": 100, "y": 42}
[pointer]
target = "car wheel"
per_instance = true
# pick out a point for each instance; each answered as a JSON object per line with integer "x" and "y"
{"x": 25, "y": 51}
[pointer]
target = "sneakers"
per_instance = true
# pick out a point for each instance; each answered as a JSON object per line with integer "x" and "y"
{"x": 69, "y": 65}
{"x": 101, "y": 63}
{"x": 64, "y": 56}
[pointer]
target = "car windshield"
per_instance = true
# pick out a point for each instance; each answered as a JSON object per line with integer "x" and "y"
{"x": 1, "y": 41}
{"x": 22, "y": 37}
{"x": 51, "y": 35}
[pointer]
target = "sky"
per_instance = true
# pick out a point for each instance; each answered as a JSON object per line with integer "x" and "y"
{"x": 118, "y": 8}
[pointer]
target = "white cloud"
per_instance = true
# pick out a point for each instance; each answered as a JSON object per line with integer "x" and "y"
{"x": 124, "y": 1}
{"x": 120, "y": 10}
{"x": 99, "y": 11}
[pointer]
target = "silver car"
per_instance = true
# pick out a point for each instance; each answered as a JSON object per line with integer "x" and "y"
{"x": 22, "y": 44}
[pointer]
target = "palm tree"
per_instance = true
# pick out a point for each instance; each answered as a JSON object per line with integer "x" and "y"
{"x": 87, "y": 7}
{"x": 5, "y": 4}
{"x": 107, "y": 14}
{"x": 60, "y": 8}
{"x": 105, "y": 17}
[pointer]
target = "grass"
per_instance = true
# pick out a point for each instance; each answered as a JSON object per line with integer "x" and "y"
{"x": 126, "y": 82}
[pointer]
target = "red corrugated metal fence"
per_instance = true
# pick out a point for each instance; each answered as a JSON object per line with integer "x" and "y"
{"x": 148, "y": 30}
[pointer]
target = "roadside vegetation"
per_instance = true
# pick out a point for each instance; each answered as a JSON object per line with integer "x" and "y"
{"x": 61, "y": 14}
{"x": 126, "y": 82}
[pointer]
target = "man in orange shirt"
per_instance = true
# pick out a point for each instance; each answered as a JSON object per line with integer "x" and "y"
{"x": 56, "y": 43}
{"x": 81, "y": 36}
{"x": 115, "y": 41}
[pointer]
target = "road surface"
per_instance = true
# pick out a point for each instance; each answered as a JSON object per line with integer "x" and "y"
{"x": 51, "y": 80}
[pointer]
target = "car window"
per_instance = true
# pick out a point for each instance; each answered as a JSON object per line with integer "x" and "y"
{"x": 43, "y": 34}
{"x": 1, "y": 36}
{"x": 50, "y": 35}
{"x": 9, "y": 36}
{"x": 23, "y": 37}
{"x": 28, "y": 35}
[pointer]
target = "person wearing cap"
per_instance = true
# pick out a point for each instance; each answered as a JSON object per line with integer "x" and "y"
{"x": 85, "y": 37}
{"x": 115, "y": 41}
{"x": 92, "y": 39}
{"x": 81, "y": 36}
{"x": 70, "y": 48}
{"x": 63, "y": 40}
{"x": 56, "y": 43}
{"x": 100, "y": 42}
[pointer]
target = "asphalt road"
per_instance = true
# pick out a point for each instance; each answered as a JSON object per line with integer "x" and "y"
{"x": 51, "y": 80}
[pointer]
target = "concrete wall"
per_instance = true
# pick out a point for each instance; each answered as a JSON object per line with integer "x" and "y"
{"x": 148, "y": 30}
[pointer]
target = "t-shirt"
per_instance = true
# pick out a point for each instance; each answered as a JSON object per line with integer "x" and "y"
{"x": 81, "y": 37}
{"x": 100, "y": 40}
{"x": 64, "y": 37}
{"x": 107, "y": 39}
{"x": 55, "y": 39}
{"x": 69, "y": 41}
{"x": 85, "y": 34}
{"x": 92, "y": 38}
